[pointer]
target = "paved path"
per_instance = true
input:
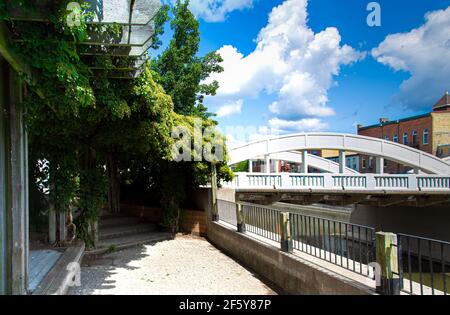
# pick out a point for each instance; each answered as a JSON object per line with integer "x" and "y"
{"x": 185, "y": 265}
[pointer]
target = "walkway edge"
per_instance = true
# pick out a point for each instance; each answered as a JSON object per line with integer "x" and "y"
{"x": 294, "y": 275}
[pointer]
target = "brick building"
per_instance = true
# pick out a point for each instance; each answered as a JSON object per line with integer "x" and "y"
{"x": 428, "y": 132}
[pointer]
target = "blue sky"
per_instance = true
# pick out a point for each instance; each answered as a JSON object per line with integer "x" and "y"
{"x": 317, "y": 66}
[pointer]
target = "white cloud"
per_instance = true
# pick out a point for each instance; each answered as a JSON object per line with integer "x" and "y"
{"x": 217, "y": 10}
{"x": 305, "y": 124}
{"x": 290, "y": 62}
{"x": 230, "y": 109}
{"x": 424, "y": 52}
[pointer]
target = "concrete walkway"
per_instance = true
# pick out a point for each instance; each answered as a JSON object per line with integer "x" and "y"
{"x": 186, "y": 265}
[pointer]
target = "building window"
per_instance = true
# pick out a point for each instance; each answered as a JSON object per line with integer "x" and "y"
{"x": 395, "y": 138}
{"x": 414, "y": 137}
{"x": 405, "y": 138}
{"x": 363, "y": 163}
{"x": 425, "y": 136}
{"x": 370, "y": 162}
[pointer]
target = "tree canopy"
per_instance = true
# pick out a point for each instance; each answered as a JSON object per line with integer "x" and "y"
{"x": 181, "y": 71}
{"x": 92, "y": 133}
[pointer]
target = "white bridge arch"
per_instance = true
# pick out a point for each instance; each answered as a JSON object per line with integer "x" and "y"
{"x": 315, "y": 161}
{"x": 381, "y": 149}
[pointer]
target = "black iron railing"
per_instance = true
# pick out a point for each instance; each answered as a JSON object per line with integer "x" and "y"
{"x": 347, "y": 245}
{"x": 423, "y": 265}
{"x": 262, "y": 221}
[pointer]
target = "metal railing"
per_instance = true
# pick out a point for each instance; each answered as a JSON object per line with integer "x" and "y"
{"x": 227, "y": 211}
{"x": 262, "y": 221}
{"x": 423, "y": 263}
{"x": 347, "y": 245}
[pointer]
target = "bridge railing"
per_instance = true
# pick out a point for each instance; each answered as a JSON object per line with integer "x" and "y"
{"x": 422, "y": 264}
{"x": 347, "y": 245}
{"x": 326, "y": 181}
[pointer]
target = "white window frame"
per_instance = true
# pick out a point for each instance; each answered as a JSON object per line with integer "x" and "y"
{"x": 425, "y": 132}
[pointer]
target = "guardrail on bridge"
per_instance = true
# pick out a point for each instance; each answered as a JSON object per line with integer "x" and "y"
{"x": 327, "y": 181}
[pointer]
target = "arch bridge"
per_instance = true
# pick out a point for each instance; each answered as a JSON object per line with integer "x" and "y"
{"x": 336, "y": 183}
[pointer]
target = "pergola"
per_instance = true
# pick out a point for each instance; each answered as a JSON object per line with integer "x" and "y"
{"x": 128, "y": 47}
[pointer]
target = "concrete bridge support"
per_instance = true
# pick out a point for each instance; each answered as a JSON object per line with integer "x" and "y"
{"x": 379, "y": 165}
{"x": 304, "y": 165}
{"x": 342, "y": 160}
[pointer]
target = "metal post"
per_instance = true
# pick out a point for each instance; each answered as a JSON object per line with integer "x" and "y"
{"x": 304, "y": 166}
{"x": 214, "y": 210}
{"x": 240, "y": 218}
{"x": 387, "y": 259}
{"x": 342, "y": 161}
{"x": 286, "y": 239}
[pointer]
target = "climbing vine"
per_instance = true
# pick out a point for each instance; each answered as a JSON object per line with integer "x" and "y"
{"x": 88, "y": 129}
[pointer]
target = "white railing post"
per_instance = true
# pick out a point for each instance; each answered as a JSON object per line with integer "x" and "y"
{"x": 328, "y": 182}
{"x": 370, "y": 182}
{"x": 286, "y": 182}
{"x": 412, "y": 182}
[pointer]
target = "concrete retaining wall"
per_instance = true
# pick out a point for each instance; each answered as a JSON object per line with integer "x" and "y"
{"x": 291, "y": 273}
{"x": 431, "y": 222}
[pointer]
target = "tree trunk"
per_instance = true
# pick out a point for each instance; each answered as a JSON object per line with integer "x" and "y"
{"x": 114, "y": 184}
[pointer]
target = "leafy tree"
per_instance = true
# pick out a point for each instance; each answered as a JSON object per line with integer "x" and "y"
{"x": 181, "y": 71}
{"x": 89, "y": 132}
{"x": 86, "y": 120}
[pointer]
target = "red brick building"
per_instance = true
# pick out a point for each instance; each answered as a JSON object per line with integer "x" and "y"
{"x": 428, "y": 132}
